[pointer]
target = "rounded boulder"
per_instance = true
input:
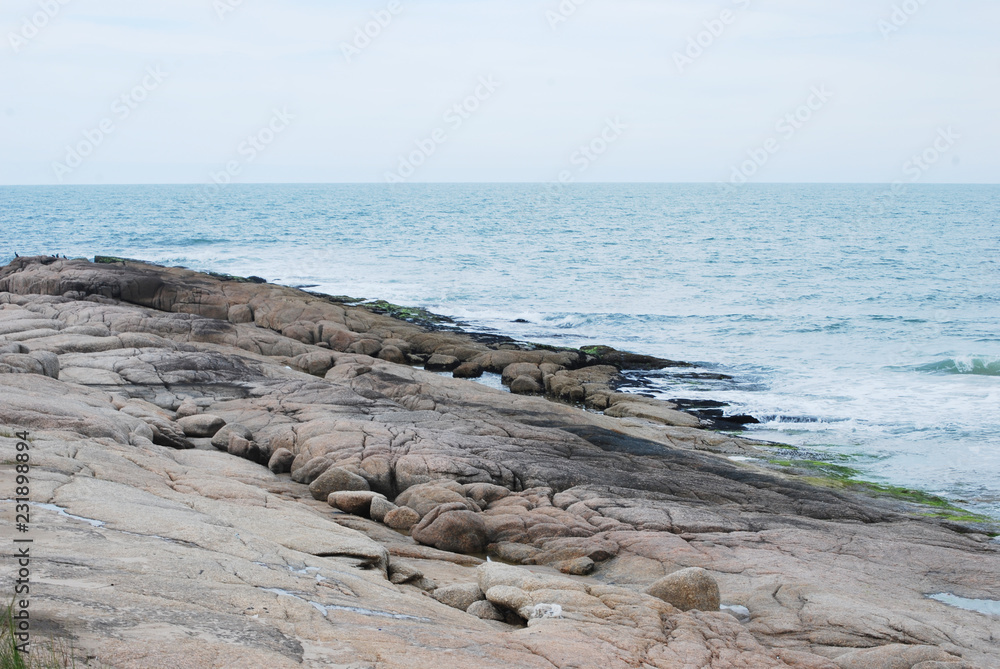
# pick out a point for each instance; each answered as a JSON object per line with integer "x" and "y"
{"x": 454, "y": 529}
{"x": 281, "y": 461}
{"x": 357, "y": 502}
{"x": 688, "y": 589}
{"x": 336, "y": 479}
{"x": 401, "y": 519}
{"x": 202, "y": 426}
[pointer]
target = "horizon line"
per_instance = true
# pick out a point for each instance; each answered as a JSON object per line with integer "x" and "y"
{"x": 514, "y": 183}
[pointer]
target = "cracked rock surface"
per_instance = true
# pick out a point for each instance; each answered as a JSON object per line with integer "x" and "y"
{"x": 156, "y": 399}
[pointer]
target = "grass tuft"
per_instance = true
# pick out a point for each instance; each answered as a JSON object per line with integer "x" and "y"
{"x": 52, "y": 654}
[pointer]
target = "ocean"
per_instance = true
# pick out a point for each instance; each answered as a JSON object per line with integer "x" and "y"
{"x": 859, "y": 323}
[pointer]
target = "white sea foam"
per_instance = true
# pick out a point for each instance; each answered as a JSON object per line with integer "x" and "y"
{"x": 884, "y": 332}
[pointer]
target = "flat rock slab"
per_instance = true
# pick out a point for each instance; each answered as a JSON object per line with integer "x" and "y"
{"x": 148, "y": 555}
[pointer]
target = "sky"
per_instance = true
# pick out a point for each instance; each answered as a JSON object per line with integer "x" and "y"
{"x": 202, "y": 91}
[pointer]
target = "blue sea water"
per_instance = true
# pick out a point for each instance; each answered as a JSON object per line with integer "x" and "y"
{"x": 858, "y": 322}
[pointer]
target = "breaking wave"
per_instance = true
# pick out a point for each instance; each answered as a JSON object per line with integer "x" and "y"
{"x": 978, "y": 365}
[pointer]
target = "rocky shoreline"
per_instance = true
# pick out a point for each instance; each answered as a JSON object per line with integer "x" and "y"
{"x": 229, "y": 473}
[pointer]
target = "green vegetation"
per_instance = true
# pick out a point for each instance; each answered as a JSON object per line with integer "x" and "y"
{"x": 597, "y": 351}
{"x": 408, "y": 314}
{"x": 828, "y": 469}
{"x": 54, "y": 655}
{"x": 236, "y": 279}
{"x": 842, "y": 477}
{"x": 111, "y": 260}
{"x": 342, "y": 299}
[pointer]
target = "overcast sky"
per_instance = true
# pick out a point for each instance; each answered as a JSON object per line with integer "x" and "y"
{"x": 170, "y": 91}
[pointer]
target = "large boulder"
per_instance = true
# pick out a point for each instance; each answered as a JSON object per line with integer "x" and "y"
{"x": 485, "y": 610}
{"x": 485, "y": 494}
{"x": 468, "y": 370}
{"x": 401, "y": 519}
{"x": 453, "y": 528}
{"x": 518, "y": 369}
{"x": 459, "y": 596}
{"x": 336, "y": 479}
{"x": 393, "y": 354}
{"x": 379, "y": 508}
{"x": 580, "y": 566}
{"x": 311, "y": 470}
{"x": 425, "y": 497}
{"x": 357, "y": 502}
{"x": 441, "y": 363}
{"x": 248, "y": 450}
{"x": 202, "y": 425}
{"x": 221, "y": 438}
{"x": 281, "y": 461}
{"x": 525, "y": 385}
{"x": 688, "y": 589}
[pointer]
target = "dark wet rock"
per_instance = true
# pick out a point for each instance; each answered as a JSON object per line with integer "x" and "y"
{"x": 605, "y": 355}
{"x": 468, "y": 370}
